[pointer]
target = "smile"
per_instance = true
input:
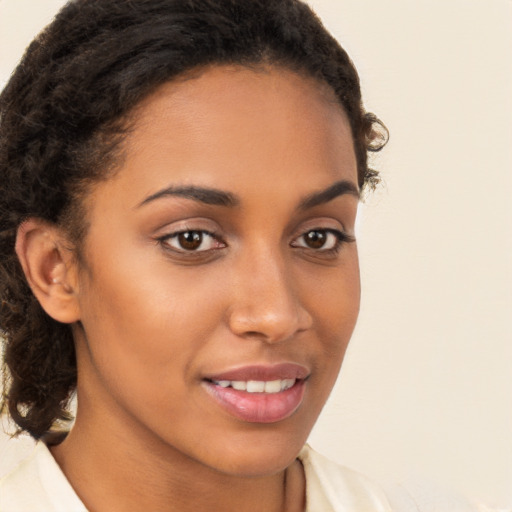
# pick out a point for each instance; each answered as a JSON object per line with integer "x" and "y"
{"x": 260, "y": 393}
{"x": 257, "y": 386}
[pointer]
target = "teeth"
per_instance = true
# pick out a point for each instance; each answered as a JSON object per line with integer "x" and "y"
{"x": 239, "y": 385}
{"x": 257, "y": 386}
{"x": 273, "y": 386}
{"x": 287, "y": 384}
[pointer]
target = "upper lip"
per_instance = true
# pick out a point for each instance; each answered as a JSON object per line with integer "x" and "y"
{"x": 263, "y": 372}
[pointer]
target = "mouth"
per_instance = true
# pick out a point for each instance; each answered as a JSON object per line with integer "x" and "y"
{"x": 257, "y": 386}
{"x": 259, "y": 394}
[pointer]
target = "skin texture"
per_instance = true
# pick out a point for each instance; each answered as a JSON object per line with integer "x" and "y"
{"x": 151, "y": 319}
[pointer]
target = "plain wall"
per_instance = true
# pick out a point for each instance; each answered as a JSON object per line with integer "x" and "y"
{"x": 426, "y": 387}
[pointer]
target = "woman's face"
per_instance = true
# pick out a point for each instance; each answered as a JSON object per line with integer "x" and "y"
{"x": 219, "y": 284}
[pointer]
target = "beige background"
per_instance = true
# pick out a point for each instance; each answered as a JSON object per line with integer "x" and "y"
{"x": 426, "y": 387}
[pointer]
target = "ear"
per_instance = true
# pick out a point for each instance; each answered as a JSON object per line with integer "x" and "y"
{"x": 50, "y": 268}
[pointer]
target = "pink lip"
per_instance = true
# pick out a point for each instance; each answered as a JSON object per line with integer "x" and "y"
{"x": 259, "y": 407}
{"x": 263, "y": 372}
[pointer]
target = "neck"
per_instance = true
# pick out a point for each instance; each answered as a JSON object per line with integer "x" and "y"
{"x": 125, "y": 469}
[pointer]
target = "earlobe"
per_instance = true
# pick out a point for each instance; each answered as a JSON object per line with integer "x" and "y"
{"x": 49, "y": 268}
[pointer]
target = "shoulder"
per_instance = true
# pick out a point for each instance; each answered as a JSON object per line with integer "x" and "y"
{"x": 332, "y": 488}
{"x": 38, "y": 485}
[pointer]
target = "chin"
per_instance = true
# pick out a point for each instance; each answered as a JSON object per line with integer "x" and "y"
{"x": 259, "y": 455}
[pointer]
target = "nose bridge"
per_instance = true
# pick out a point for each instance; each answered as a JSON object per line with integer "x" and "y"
{"x": 265, "y": 299}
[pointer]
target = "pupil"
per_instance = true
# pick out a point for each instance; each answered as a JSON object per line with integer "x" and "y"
{"x": 190, "y": 240}
{"x": 316, "y": 239}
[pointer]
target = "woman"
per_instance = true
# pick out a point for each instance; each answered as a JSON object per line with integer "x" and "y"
{"x": 180, "y": 181}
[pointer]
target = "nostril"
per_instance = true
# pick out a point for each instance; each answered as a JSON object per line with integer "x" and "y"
{"x": 253, "y": 334}
{"x": 265, "y": 327}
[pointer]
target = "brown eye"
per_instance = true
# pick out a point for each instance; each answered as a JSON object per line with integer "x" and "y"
{"x": 321, "y": 240}
{"x": 190, "y": 240}
{"x": 315, "y": 239}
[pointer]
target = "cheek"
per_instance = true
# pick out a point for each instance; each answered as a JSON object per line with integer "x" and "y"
{"x": 145, "y": 319}
{"x": 334, "y": 303}
{"x": 333, "y": 295}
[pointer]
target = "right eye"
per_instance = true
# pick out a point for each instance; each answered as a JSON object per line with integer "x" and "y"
{"x": 191, "y": 241}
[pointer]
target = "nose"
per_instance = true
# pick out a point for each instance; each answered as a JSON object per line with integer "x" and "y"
{"x": 266, "y": 302}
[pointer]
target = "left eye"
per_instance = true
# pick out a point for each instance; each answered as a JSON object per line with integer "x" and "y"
{"x": 192, "y": 241}
{"x": 320, "y": 239}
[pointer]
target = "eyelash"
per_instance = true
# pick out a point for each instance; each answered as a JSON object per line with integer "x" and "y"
{"x": 340, "y": 239}
{"x": 164, "y": 241}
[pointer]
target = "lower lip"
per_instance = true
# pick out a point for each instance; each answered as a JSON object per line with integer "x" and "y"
{"x": 258, "y": 407}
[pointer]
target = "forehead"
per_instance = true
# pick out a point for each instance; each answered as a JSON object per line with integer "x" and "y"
{"x": 231, "y": 126}
{"x": 237, "y": 83}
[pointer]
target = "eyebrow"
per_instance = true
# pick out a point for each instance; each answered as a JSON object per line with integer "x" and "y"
{"x": 217, "y": 197}
{"x": 339, "y": 188}
{"x": 204, "y": 195}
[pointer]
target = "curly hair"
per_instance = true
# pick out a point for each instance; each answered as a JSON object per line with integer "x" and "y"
{"x": 63, "y": 116}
